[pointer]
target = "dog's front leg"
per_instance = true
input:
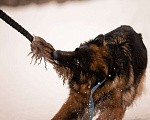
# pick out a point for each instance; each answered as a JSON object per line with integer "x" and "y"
{"x": 70, "y": 109}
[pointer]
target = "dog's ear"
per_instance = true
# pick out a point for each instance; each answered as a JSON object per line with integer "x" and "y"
{"x": 100, "y": 40}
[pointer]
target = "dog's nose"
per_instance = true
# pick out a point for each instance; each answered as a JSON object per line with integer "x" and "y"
{"x": 54, "y": 55}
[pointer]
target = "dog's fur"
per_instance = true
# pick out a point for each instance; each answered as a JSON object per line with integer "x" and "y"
{"x": 120, "y": 56}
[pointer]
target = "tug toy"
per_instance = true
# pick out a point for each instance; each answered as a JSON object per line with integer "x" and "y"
{"x": 40, "y": 49}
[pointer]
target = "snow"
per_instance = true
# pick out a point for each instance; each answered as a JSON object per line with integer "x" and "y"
{"x": 30, "y": 92}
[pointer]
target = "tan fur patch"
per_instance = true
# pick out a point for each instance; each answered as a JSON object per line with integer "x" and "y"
{"x": 131, "y": 78}
{"x": 84, "y": 89}
{"x": 141, "y": 85}
{"x": 128, "y": 96}
{"x": 98, "y": 62}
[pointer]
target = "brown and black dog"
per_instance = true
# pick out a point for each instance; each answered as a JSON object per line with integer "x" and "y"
{"x": 120, "y": 56}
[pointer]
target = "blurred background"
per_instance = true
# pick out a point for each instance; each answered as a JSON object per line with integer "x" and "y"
{"x": 30, "y": 92}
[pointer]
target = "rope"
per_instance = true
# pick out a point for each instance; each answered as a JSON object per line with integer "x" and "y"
{"x": 24, "y": 32}
{"x": 15, "y": 25}
{"x": 91, "y": 103}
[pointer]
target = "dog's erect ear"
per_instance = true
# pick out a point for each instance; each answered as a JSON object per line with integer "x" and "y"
{"x": 100, "y": 40}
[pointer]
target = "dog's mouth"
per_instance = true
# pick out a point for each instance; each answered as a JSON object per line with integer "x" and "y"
{"x": 66, "y": 59}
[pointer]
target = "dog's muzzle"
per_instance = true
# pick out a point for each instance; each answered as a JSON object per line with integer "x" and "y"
{"x": 62, "y": 57}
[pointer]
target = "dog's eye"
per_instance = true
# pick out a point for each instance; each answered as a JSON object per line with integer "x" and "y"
{"x": 76, "y": 61}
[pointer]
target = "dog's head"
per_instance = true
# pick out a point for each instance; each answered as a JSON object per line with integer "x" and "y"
{"x": 86, "y": 61}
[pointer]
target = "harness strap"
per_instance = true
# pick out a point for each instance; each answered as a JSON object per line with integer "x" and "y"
{"x": 91, "y": 103}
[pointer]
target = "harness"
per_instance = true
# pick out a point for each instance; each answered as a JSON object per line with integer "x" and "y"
{"x": 91, "y": 103}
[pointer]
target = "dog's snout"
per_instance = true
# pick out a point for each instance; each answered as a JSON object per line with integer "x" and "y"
{"x": 63, "y": 57}
{"x": 58, "y": 54}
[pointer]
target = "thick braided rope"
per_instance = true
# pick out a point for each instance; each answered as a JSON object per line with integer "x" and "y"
{"x": 15, "y": 25}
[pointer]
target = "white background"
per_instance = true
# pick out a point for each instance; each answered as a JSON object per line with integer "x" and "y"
{"x": 30, "y": 92}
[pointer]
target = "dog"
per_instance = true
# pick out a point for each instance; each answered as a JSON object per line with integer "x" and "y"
{"x": 120, "y": 57}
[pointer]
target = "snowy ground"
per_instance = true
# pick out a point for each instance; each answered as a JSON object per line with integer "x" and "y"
{"x": 29, "y": 92}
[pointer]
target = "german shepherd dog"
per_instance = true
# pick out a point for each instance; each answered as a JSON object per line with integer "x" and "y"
{"x": 120, "y": 57}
